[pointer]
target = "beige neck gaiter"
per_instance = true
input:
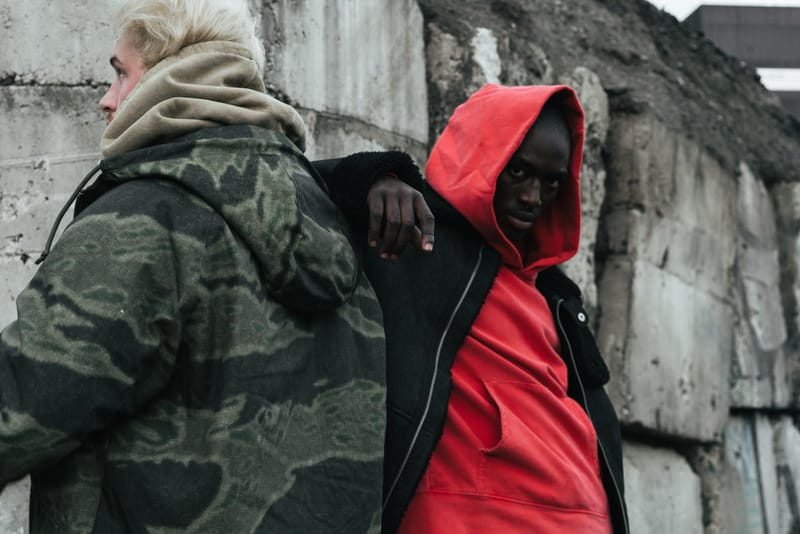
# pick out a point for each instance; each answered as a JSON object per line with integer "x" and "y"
{"x": 207, "y": 84}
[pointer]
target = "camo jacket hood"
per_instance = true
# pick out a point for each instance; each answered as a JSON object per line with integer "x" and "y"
{"x": 179, "y": 362}
{"x": 306, "y": 263}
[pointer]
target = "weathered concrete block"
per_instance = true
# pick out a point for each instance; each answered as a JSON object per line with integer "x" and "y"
{"x": 723, "y": 494}
{"x": 485, "y": 54}
{"x": 32, "y": 193}
{"x": 759, "y": 379}
{"x": 332, "y": 136}
{"x": 593, "y": 177}
{"x": 582, "y": 267}
{"x": 14, "y": 507}
{"x": 444, "y": 56}
{"x": 49, "y": 141}
{"x": 316, "y": 56}
{"x": 662, "y": 491}
{"x": 768, "y": 470}
{"x": 750, "y": 482}
{"x": 758, "y": 262}
{"x": 666, "y": 323}
{"x": 671, "y": 204}
{"x": 787, "y": 458}
{"x": 787, "y": 202}
{"x": 454, "y": 74}
{"x": 46, "y": 42}
{"x": 749, "y": 447}
{"x": 50, "y": 121}
{"x": 759, "y": 371}
{"x": 16, "y": 275}
{"x": 665, "y": 342}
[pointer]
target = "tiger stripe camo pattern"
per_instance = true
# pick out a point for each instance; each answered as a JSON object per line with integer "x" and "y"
{"x": 199, "y": 353}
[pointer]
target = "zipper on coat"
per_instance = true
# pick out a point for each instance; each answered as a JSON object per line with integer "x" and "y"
{"x": 433, "y": 378}
{"x": 588, "y": 412}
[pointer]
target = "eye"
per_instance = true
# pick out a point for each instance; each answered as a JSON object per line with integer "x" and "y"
{"x": 553, "y": 181}
{"x": 515, "y": 171}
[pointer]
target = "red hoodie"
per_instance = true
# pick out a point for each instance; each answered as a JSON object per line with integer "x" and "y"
{"x": 516, "y": 454}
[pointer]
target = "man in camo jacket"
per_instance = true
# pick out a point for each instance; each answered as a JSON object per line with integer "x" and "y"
{"x": 199, "y": 352}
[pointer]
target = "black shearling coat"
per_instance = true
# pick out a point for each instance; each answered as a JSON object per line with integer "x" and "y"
{"x": 427, "y": 317}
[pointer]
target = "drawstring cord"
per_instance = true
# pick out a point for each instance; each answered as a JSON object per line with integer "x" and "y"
{"x": 63, "y": 212}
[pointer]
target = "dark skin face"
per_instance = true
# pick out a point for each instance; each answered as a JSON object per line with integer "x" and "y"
{"x": 532, "y": 178}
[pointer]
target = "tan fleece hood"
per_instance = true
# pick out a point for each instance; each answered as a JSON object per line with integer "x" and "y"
{"x": 207, "y": 84}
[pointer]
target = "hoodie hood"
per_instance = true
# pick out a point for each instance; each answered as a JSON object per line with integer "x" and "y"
{"x": 475, "y": 146}
{"x": 265, "y": 189}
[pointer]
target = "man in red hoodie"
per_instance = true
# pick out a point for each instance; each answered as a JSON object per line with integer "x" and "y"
{"x": 498, "y": 421}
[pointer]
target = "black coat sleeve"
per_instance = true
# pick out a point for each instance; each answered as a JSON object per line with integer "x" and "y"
{"x": 349, "y": 180}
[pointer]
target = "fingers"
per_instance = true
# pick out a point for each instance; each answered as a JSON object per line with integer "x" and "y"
{"x": 407, "y": 232}
{"x": 398, "y": 215}
{"x": 375, "y": 203}
{"x": 426, "y": 223}
{"x": 392, "y": 228}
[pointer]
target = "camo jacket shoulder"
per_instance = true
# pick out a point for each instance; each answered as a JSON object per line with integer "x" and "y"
{"x": 148, "y": 357}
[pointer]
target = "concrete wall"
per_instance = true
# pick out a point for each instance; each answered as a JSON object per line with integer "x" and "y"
{"x": 690, "y": 268}
{"x": 351, "y": 100}
{"x": 666, "y": 283}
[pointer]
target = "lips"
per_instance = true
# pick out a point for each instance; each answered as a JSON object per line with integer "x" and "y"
{"x": 528, "y": 216}
{"x": 522, "y": 220}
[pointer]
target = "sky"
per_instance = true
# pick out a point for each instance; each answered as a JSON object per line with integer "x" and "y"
{"x": 681, "y": 9}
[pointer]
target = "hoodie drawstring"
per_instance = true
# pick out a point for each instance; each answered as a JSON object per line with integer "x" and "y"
{"x": 63, "y": 212}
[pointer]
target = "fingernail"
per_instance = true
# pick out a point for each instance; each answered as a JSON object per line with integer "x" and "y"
{"x": 373, "y": 243}
{"x": 384, "y": 255}
{"x": 427, "y": 246}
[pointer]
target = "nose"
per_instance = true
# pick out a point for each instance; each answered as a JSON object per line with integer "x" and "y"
{"x": 532, "y": 193}
{"x": 109, "y": 101}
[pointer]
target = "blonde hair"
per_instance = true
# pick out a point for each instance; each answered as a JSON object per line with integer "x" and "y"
{"x": 160, "y": 28}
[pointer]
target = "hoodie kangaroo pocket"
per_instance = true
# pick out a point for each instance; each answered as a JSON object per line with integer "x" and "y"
{"x": 547, "y": 451}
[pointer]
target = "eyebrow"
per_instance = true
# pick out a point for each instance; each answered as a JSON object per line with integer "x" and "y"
{"x": 529, "y": 166}
{"x": 520, "y": 160}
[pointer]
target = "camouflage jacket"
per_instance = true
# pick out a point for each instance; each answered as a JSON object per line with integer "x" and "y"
{"x": 199, "y": 353}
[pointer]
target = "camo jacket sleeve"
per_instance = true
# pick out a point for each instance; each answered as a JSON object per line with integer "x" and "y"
{"x": 95, "y": 338}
